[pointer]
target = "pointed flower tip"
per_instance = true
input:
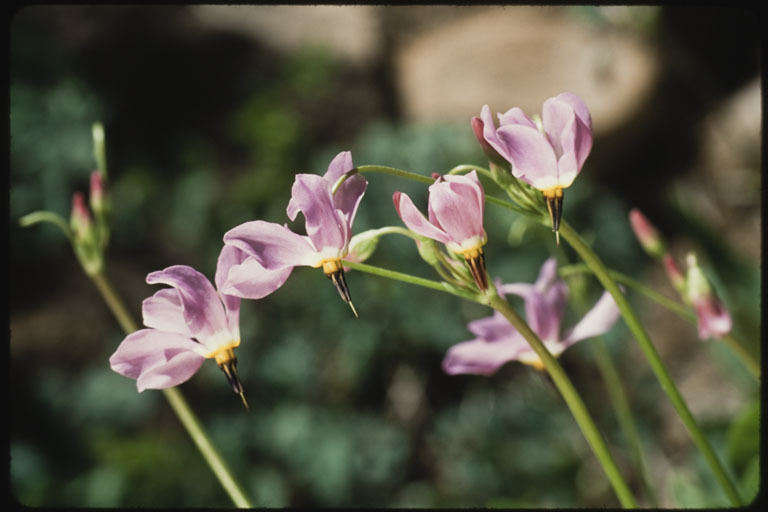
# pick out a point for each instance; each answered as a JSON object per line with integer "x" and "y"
{"x": 245, "y": 402}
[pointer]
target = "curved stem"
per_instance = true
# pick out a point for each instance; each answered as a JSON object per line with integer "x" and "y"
{"x": 752, "y": 364}
{"x": 564, "y": 385}
{"x": 572, "y": 399}
{"x": 667, "y": 384}
{"x": 178, "y": 403}
{"x": 616, "y": 391}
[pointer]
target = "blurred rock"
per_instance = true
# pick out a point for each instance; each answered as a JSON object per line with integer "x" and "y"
{"x": 350, "y": 32}
{"x": 520, "y": 56}
{"x": 726, "y": 193}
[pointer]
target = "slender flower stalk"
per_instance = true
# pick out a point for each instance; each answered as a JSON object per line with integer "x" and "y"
{"x": 657, "y": 365}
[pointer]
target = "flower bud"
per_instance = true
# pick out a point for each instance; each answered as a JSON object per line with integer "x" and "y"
{"x": 713, "y": 318}
{"x": 646, "y": 234}
{"x": 675, "y": 276}
{"x": 85, "y": 240}
{"x": 428, "y": 250}
{"x": 80, "y": 220}
{"x": 363, "y": 245}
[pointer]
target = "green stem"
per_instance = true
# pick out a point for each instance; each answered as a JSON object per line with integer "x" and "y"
{"x": 564, "y": 385}
{"x": 624, "y": 414}
{"x": 616, "y": 391}
{"x": 419, "y": 281}
{"x": 178, "y": 403}
{"x": 749, "y": 360}
{"x": 667, "y": 384}
{"x": 572, "y": 399}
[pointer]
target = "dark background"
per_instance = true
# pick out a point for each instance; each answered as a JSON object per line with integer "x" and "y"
{"x": 206, "y": 127}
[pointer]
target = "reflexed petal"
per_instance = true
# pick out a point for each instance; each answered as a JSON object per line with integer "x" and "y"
{"x": 203, "y": 310}
{"x": 533, "y": 158}
{"x": 348, "y": 196}
{"x": 340, "y": 164}
{"x": 569, "y": 127}
{"x": 480, "y": 357}
{"x": 414, "y": 219}
{"x": 326, "y": 226}
{"x": 163, "y": 312}
{"x": 547, "y": 275}
{"x": 272, "y": 245}
{"x": 556, "y": 115}
{"x": 179, "y": 368}
{"x": 250, "y": 280}
{"x": 156, "y": 359}
{"x": 597, "y": 321}
{"x": 515, "y": 115}
{"x": 489, "y": 132}
{"x": 457, "y": 207}
{"x": 544, "y": 311}
{"x": 228, "y": 257}
{"x": 492, "y": 329}
{"x": 578, "y": 106}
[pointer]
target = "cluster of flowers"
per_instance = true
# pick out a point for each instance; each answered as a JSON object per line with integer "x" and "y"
{"x": 193, "y": 320}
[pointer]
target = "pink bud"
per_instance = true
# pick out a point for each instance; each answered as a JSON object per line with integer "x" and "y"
{"x": 675, "y": 276}
{"x": 80, "y": 215}
{"x": 646, "y": 233}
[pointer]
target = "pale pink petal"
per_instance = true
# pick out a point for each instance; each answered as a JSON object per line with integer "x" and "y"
{"x": 489, "y": 132}
{"x": 348, "y": 196}
{"x": 556, "y": 115}
{"x": 228, "y": 257}
{"x": 597, "y": 321}
{"x": 578, "y": 106}
{"x": 492, "y": 328}
{"x": 250, "y": 280}
{"x": 414, "y": 219}
{"x": 156, "y": 359}
{"x": 515, "y": 115}
{"x": 163, "y": 312}
{"x": 326, "y": 225}
{"x": 532, "y": 156}
{"x": 457, "y": 206}
{"x": 569, "y": 127}
{"x": 272, "y": 245}
{"x": 482, "y": 358}
{"x": 203, "y": 310}
{"x": 547, "y": 275}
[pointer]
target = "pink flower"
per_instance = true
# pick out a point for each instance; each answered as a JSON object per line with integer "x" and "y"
{"x": 328, "y": 219}
{"x": 456, "y": 206}
{"x": 548, "y": 154}
{"x": 497, "y": 342}
{"x": 188, "y": 323}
